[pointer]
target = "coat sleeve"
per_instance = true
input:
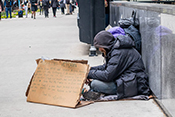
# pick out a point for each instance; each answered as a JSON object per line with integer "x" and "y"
{"x": 114, "y": 68}
{"x": 100, "y": 67}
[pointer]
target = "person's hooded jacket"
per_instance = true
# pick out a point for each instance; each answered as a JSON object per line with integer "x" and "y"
{"x": 123, "y": 65}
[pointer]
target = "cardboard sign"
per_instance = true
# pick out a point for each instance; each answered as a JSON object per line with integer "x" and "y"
{"x": 58, "y": 82}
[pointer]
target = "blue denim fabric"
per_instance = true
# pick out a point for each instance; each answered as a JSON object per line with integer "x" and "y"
{"x": 103, "y": 87}
{"x": 10, "y": 11}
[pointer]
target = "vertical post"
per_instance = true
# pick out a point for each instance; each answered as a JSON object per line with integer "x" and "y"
{"x": 92, "y": 28}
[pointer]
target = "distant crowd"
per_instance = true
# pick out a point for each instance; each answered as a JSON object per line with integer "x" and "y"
{"x": 33, "y": 5}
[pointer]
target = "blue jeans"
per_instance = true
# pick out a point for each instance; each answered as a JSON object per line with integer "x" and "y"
{"x": 109, "y": 88}
{"x": 10, "y": 11}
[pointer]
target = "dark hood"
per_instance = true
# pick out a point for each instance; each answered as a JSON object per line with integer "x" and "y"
{"x": 104, "y": 39}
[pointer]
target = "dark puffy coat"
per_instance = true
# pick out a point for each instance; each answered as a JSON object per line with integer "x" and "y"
{"x": 54, "y": 3}
{"x": 123, "y": 65}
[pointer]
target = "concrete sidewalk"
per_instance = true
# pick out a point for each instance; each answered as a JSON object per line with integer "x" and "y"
{"x": 23, "y": 40}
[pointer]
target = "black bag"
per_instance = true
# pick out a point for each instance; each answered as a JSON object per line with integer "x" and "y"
{"x": 127, "y": 86}
{"x": 135, "y": 35}
{"x": 126, "y": 22}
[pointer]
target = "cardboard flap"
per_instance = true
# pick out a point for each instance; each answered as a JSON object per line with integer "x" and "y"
{"x": 57, "y": 82}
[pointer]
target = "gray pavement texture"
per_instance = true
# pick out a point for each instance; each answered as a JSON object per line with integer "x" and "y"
{"x": 23, "y": 40}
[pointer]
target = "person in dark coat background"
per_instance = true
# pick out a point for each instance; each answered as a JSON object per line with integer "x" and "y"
{"x": 33, "y": 8}
{"x": 46, "y": 5}
{"x": 62, "y": 6}
{"x": 54, "y": 5}
{"x": 123, "y": 74}
{"x": 1, "y": 8}
{"x": 41, "y": 7}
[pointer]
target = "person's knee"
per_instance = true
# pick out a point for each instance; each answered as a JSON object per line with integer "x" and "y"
{"x": 95, "y": 83}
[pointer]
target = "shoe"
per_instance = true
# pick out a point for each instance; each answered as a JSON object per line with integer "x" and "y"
{"x": 67, "y": 13}
{"x": 31, "y": 16}
{"x": 34, "y": 17}
{"x": 91, "y": 95}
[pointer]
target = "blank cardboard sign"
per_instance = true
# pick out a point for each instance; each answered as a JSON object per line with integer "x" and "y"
{"x": 57, "y": 82}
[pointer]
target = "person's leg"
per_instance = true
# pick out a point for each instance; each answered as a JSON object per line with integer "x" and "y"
{"x": 53, "y": 10}
{"x": 61, "y": 10}
{"x": 6, "y": 10}
{"x": 34, "y": 13}
{"x": 70, "y": 8}
{"x": 103, "y": 87}
{"x": 47, "y": 12}
{"x": 67, "y": 7}
{"x": 40, "y": 10}
{"x": 10, "y": 10}
{"x": 26, "y": 10}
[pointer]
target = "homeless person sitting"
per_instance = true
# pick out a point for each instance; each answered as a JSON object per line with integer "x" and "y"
{"x": 123, "y": 74}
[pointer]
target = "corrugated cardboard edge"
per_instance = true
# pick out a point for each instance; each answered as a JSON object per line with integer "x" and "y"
{"x": 79, "y": 103}
{"x": 83, "y": 103}
{"x": 28, "y": 88}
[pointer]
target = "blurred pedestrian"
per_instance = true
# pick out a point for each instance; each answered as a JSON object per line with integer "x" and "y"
{"x": 8, "y": 7}
{"x": 41, "y": 6}
{"x": 1, "y": 8}
{"x": 62, "y": 6}
{"x": 33, "y": 8}
{"x": 29, "y": 6}
{"x": 73, "y": 5}
{"x": 14, "y": 5}
{"x": 46, "y": 6}
{"x": 54, "y": 5}
{"x": 26, "y": 7}
{"x": 67, "y": 3}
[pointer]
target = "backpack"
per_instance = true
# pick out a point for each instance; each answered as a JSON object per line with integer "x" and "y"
{"x": 135, "y": 35}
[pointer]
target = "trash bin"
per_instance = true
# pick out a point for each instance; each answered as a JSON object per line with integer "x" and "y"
{"x": 91, "y": 20}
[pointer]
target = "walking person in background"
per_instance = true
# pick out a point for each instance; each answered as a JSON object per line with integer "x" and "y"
{"x": 26, "y": 7}
{"x": 62, "y": 6}
{"x": 29, "y": 6}
{"x": 14, "y": 5}
{"x": 41, "y": 6}
{"x": 73, "y": 5}
{"x": 1, "y": 8}
{"x": 8, "y": 7}
{"x": 67, "y": 2}
{"x": 46, "y": 6}
{"x": 54, "y": 5}
{"x": 34, "y": 8}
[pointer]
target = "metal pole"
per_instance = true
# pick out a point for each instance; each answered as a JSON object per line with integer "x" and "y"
{"x": 92, "y": 28}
